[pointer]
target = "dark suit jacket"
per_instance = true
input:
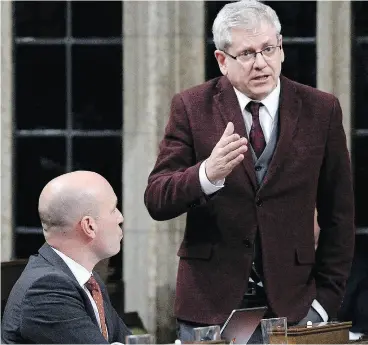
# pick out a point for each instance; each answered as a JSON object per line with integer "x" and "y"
{"x": 310, "y": 167}
{"x": 48, "y": 306}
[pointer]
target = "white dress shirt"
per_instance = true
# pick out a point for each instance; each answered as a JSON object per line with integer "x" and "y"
{"x": 267, "y": 115}
{"x": 82, "y": 275}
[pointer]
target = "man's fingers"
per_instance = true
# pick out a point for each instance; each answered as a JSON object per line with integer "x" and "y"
{"x": 233, "y": 163}
{"x": 234, "y": 145}
{"x": 225, "y": 141}
{"x": 235, "y": 153}
{"x": 220, "y": 163}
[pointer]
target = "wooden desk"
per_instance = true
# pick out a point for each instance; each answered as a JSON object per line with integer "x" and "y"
{"x": 320, "y": 333}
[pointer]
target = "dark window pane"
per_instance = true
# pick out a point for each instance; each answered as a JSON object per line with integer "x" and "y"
{"x": 38, "y": 160}
{"x": 40, "y": 87}
{"x": 360, "y": 180}
{"x": 27, "y": 244}
{"x": 297, "y": 18}
{"x": 211, "y": 10}
{"x": 300, "y": 63}
{"x": 97, "y": 18}
{"x": 360, "y": 15}
{"x": 361, "y": 245}
{"x": 104, "y": 156}
{"x": 211, "y": 65}
{"x": 101, "y": 155}
{"x": 97, "y": 87}
{"x": 361, "y": 86}
{"x": 40, "y": 18}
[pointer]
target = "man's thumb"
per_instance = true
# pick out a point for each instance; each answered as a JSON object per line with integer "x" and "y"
{"x": 228, "y": 130}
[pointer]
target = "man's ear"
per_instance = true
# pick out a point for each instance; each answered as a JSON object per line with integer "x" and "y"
{"x": 281, "y": 49}
{"x": 221, "y": 60}
{"x": 89, "y": 227}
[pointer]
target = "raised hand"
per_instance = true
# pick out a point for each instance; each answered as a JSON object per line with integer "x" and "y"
{"x": 226, "y": 155}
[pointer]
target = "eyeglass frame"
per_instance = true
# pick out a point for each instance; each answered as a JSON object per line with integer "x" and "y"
{"x": 254, "y": 54}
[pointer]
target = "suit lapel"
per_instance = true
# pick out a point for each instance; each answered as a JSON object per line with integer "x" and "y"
{"x": 228, "y": 105}
{"x": 109, "y": 323}
{"x": 48, "y": 254}
{"x": 89, "y": 307}
{"x": 289, "y": 110}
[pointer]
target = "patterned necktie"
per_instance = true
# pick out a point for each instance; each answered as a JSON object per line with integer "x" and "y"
{"x": 95, "y": 291}
{"x": 256, "y": 137}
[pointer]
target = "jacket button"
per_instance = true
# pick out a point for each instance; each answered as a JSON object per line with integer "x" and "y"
{"x": 247, "y": 243}
{"x": 259, "y": 202}
{"x": 258, "y": 168}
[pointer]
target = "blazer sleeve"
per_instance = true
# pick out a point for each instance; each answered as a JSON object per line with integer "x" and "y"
{"x": 335, "y": 205}
{"x": 54, "y": 313}
{"x": 121, "y": 330}
{"x": 173, "y": 185}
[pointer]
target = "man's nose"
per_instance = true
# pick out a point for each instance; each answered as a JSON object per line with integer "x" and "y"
{"x": 259, "y": 61}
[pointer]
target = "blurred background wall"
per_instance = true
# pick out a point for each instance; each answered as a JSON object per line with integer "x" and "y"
{"x": 88, "y": 84}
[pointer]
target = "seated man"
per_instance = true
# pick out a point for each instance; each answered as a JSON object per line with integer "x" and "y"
{"x": 58, "y": 298}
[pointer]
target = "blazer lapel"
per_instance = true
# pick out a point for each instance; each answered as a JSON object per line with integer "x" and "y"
{"x": 228, "y": 105}
{"x": 289, "y": 109}
{"x": 48, "y": 253}
{"x": 89, "y": 307}
{"x": 109, "y": 323}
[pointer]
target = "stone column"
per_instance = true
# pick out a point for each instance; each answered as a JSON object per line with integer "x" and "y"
{"x": 334, "y": 54}
{"x": 163, "y": 53}
{"x": 6, "y": 131}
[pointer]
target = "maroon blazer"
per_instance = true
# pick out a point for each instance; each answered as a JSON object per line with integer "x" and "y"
{"x": 310, "y": 167}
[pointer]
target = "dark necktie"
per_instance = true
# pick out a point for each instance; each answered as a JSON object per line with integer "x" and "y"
{"x": 256, "y": 137}
{"x": 95, "y": 291}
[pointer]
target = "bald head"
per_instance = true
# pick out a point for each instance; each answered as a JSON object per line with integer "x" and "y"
{"x": 65, "y": 200}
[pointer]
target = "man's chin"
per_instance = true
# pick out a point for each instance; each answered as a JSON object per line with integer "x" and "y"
{"x": 261, "y": 91}
{"x": 116, "y": 251}
{"x": 112, "y": 252}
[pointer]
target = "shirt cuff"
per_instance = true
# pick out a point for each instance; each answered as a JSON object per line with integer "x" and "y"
{"x": 207, "y": 186}
{"x": 320, "y": 310}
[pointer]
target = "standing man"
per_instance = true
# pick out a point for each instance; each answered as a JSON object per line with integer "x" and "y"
{"x": 249, "y": 156}
{"x": 58, "y": 299}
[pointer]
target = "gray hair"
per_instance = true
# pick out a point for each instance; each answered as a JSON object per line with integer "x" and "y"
{"x": 246, "y": 14}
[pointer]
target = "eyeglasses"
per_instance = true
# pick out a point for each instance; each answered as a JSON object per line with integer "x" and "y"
{"x": 248, "y": 55}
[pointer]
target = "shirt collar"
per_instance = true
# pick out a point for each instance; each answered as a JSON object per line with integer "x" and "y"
{"x": 271, "y": 102}
{"x": 81, "y": 273}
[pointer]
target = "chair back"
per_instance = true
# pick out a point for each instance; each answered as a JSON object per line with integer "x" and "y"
{"x": 10, "y": 272}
